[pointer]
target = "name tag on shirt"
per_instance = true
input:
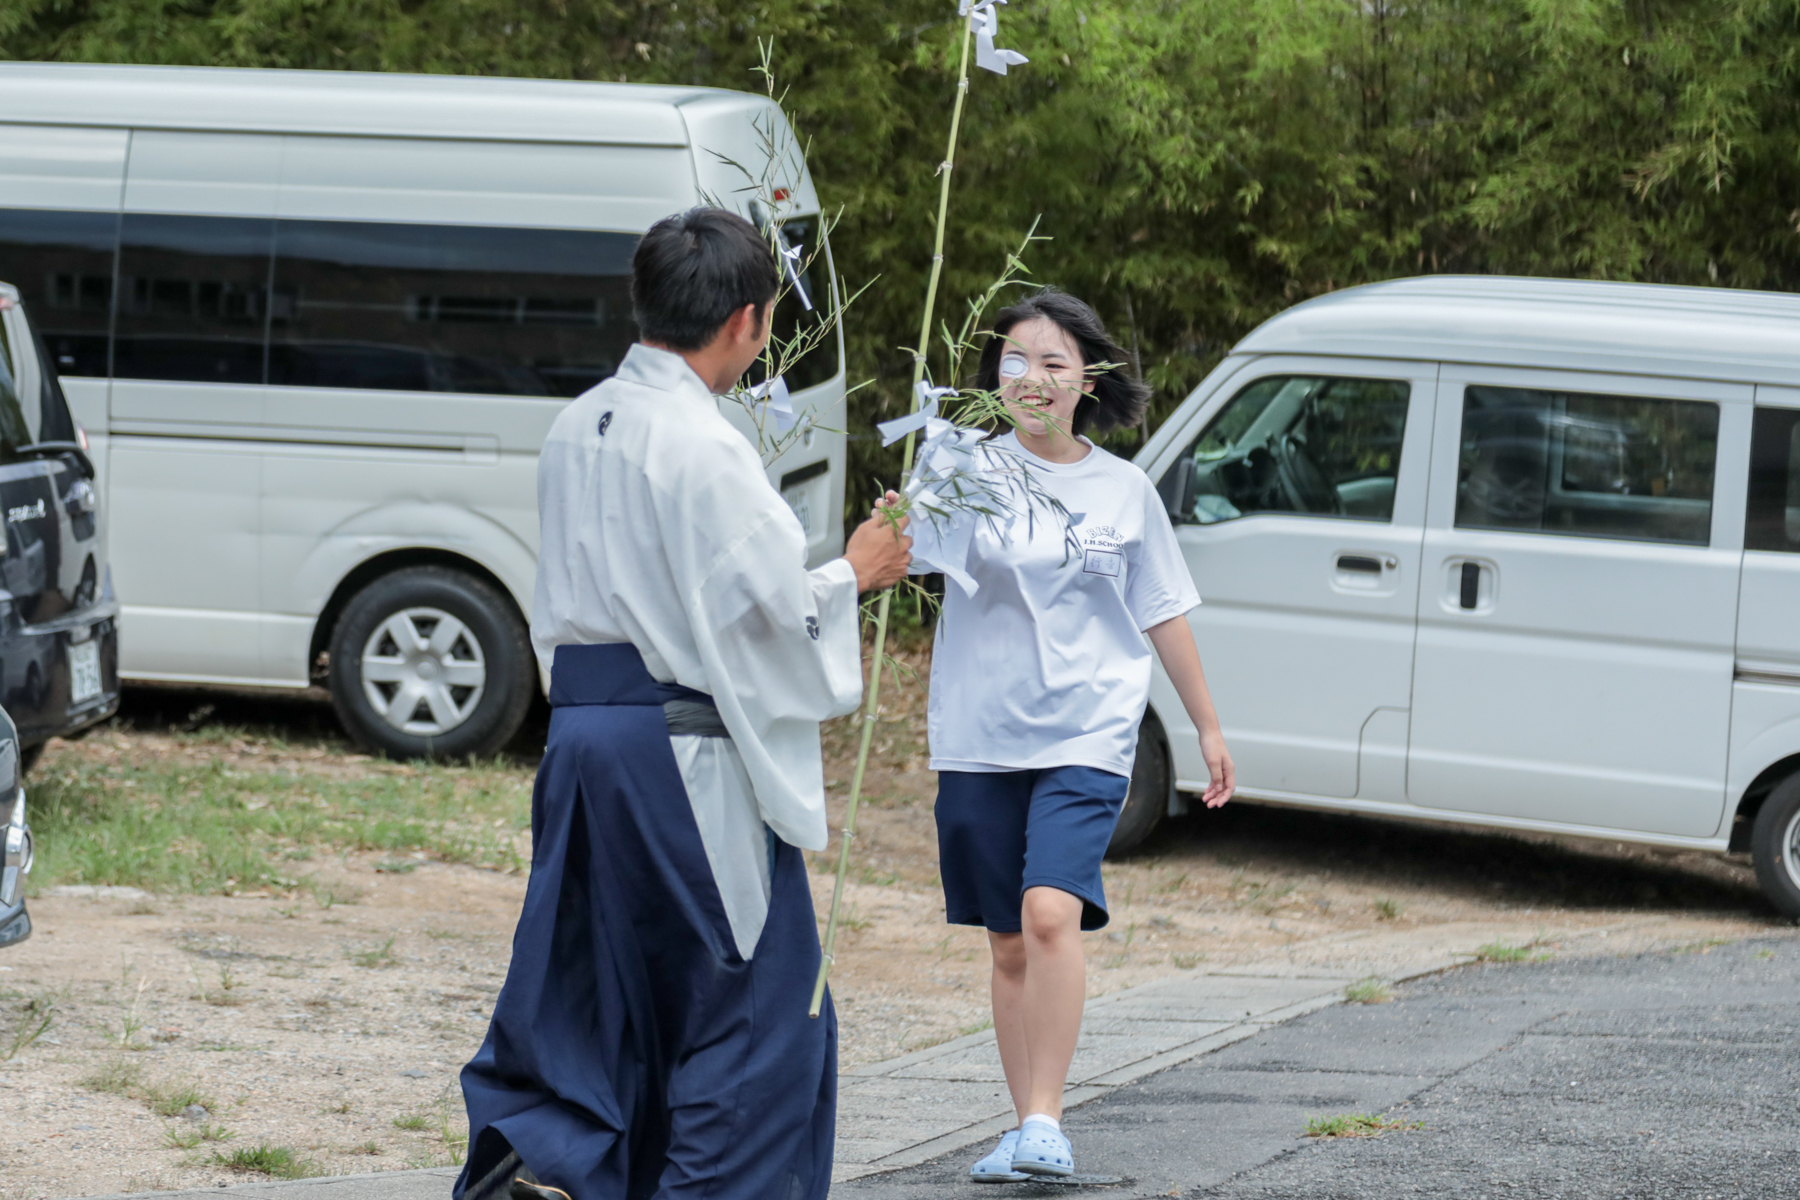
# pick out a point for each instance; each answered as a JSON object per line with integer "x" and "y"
{"x": 1103, "y": 562}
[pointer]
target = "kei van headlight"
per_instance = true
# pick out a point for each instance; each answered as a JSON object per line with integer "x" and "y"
{"x": 19, "y": 853}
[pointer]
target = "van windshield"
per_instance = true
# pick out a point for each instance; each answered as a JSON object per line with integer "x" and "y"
{"x": 15, "y": 431}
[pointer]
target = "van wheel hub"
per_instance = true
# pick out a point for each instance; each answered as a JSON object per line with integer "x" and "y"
{"x": 1790, "y": 848}
{"x": 423, "y": 671}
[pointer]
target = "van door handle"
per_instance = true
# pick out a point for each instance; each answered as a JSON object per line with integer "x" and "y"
{"x": 1359, "y": 562}
{"x": 1471, "y": 585}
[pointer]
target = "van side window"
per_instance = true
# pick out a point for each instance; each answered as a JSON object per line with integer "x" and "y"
{"x": 192, "y": 298}
{"x": 1327, "y": 446}
{"x": 1587, "y": 465}
{"x": 62, "y": 264}
{"x": 443, "y": 308}
{"x": 1772, "y": 521}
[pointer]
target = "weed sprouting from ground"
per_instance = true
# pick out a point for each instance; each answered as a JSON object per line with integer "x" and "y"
{"x": 413, "y": 1122}
{"x": 277, "y": 1162}
{"x": 187, "y": 1137}
{"x": 31, "y": 1021}
{"x": 1372, "y": 990}
{"x": 1349, "y": 1125}
{"x": 1387, "y": 908}
{"x": 1505, "y": 952}
{"x": 116, "y": 1078}
{"x": 171, "y": 1100}
{"x": 374, "y": 956}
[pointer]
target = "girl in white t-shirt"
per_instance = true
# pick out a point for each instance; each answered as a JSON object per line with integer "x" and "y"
{"x": 1038, "y": 684}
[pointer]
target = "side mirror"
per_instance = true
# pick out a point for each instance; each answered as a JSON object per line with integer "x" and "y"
{"x": 1177, "y": 489}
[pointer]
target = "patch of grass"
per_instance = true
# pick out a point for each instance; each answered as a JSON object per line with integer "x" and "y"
{"x": 1350, "y": 1125}
{"x": 981, "y": 1027}
{"x": 172, "y": 1100}
{"x": 396, "y": 866}
{"x": 1765, "y": 954}
{"x": 187, "y": 1137}
{"x": 1503, "y": 952}
{"x": 1187, "y": 962}
{"x": 179, "y": 826}
{"x": 329, "y": 893}
{"x": 1372, "y": 990}
{"x": 31, "y": 1021}
{"x": 413, "y": 1122}
{"x": 1387, "y": 908}
{"x": 374, "y": 956}
{"x": 116, "y": 1078}
{"x": 369, "y": 1147}
{"x": 277, "y": 1162}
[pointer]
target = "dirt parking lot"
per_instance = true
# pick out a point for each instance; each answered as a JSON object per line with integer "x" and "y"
{"x": 310, "y": 940}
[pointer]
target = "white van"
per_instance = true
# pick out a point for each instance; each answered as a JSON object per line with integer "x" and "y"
{"x": 1508, "y": 552}
{"x": 317, "y": 325}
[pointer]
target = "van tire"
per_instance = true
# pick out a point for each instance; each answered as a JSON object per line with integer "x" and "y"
{"x": 1775, "y": 847}
{"x": 490, "y": 657}
{"x": 1152, "y": 781}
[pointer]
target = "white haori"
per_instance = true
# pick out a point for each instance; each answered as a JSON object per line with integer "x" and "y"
{"x": 660, "y": 528}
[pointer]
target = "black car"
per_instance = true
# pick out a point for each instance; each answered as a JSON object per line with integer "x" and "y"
{"x": 59, "y": 648}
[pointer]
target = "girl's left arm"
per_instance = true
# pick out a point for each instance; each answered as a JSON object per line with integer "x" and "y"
{"x": 1174, "y": 642}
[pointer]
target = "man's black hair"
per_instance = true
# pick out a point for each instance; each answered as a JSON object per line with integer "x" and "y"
{"x": 1114, "y": 401}
{"x": 693, "y": 270}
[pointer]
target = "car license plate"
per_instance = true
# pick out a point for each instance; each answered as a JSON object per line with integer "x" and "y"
{"x": 84, "y": 671}
{"x": 799, "y": 499}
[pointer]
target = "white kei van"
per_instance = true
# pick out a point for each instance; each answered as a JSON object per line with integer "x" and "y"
{"x": 1508, "y": 552}
{"x": 317, "y": 325}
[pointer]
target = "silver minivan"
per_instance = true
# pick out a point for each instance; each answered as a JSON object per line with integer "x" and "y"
{"x": 1514, "y": 553}
{"x": 318, "y": 324}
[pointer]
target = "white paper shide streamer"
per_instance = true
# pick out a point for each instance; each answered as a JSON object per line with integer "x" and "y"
{"x": 773, "y": 395}
{"x": 986, "y": 19}
{"x": 956, "y": 481}
{"x": 790, "y": 260}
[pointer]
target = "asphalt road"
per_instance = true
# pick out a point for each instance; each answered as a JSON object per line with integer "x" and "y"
{"x": 1663, "y": 1076}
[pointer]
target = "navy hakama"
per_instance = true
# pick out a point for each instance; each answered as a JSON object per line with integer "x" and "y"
{"x": 633, "y": 1051}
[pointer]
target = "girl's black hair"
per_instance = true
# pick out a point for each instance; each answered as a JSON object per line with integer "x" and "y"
{"x": 1114, "y": 401}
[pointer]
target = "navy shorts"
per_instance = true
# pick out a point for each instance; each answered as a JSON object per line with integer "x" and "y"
{"x": 1001, "y": 832}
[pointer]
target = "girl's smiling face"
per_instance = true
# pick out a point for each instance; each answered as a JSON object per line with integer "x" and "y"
{"x": 1042, "y": 378}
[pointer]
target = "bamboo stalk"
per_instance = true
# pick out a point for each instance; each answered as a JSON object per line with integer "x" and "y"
{"x": 872, "y": 706}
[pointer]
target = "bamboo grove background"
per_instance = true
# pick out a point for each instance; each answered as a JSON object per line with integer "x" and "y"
{"x": 1199, "y": 165}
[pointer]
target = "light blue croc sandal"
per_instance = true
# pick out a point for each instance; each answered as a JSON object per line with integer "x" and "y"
{"x": 997, "y": 1166}
{"x": 1042, "y": 1150}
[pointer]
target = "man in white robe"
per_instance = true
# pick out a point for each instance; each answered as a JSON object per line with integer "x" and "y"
{"x": 652, "y": 1038}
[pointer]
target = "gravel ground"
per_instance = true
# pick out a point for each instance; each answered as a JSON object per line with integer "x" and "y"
{"x": 335, "y": 1031}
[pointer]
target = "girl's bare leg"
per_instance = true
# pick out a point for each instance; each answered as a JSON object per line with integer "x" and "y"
{"x": 1008, "y": 950}
{"x": 1055, "y": 986}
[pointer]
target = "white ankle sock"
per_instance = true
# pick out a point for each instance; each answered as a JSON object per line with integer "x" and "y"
{"x": 1052, "y": 1122}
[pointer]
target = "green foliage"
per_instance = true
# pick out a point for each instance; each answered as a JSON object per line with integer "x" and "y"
{"x": 174, "y": 827}
{"x": 1199, "y": 164}
{"x": 278, "y": 1162}
{"x": 1351, "y": 1125}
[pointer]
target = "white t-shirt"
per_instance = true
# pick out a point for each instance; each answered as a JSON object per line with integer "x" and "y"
{"x": 1046, "y": 664}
